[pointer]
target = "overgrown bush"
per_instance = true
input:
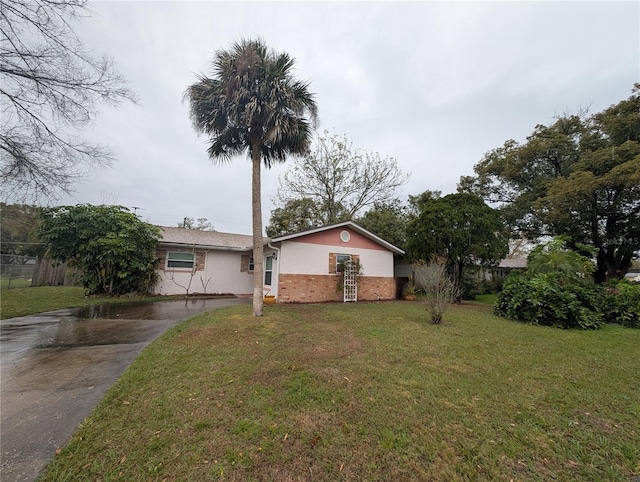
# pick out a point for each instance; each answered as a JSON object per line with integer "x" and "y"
{"x": 112, "y": 247}
{"x": 557, "y": 290}
{"x": 492, "y": 286}
{"x": 621, "y": 304}
{"x": 547, "y": 299}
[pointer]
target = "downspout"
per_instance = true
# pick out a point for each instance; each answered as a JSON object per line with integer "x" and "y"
{"x": 277, "y": 250}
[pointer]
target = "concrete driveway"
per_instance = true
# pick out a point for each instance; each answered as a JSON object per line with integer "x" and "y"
{"x": 56, "y": 366}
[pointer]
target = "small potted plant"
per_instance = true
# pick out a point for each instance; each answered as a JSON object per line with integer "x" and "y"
{"x": 269, "y": 299}
{"x": 410, "y": 291}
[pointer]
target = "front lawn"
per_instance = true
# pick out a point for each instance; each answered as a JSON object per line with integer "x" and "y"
{"x": 489, "y": 299}
{"x": 367, "y": 391}
{"x": 28, "y": 301}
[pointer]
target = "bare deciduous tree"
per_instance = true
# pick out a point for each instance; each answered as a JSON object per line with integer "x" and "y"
{"x": 50, "y": 88}
{"x": 340, "y": 179}
{"x": 200, "y": 224}
{"x": 439, "y": 287}
{"x": 186, "y": 285}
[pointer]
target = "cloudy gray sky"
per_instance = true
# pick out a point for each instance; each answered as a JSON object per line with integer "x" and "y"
{"x": 435, "y": 85}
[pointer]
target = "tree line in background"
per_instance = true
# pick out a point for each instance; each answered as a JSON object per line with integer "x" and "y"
{"x": 579, "y": 178}
{"x": 19, "y": 230}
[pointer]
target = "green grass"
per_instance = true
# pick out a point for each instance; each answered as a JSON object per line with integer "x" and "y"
{"x": 6, "y": 283}
{"x": 28, "y": 301}
{"x": 489, "y": 299}
{"x": 367, "y": 391}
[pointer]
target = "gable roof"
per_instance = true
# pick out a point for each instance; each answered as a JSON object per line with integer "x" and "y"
{"x": 344, "y": 224}
{"x": 181, "y": 237}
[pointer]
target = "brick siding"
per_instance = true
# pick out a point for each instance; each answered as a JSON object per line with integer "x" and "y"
{"x": 302, "y": 288}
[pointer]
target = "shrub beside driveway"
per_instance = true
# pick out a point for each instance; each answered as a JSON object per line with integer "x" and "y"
{"x": 367, "y": 391}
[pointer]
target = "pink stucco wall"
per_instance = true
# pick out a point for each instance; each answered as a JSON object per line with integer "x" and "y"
{"x": 332, "y": 238}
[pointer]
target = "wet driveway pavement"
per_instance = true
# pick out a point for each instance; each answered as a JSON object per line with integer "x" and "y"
{"x": 56, "y": 366}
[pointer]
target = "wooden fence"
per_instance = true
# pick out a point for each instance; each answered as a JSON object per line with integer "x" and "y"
{"x": 47, "y": 273}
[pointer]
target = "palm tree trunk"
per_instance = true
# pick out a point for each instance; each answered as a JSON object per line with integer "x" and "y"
{"x": 258, "y": 249}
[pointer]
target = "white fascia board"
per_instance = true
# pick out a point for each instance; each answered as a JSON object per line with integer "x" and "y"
{"x": 202, "y": 246}
{"x": 352, "y": 225}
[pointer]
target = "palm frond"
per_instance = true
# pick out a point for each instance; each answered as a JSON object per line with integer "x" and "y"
{"x": 252, "y": 98}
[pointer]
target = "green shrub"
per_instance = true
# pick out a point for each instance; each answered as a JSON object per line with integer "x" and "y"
{"x": 474, "y": 283}
{"x": 621, "y": 304}
{"x": 549, "y": 299}
{"x": 111, "y": 247}
{"x": 471, "y": 285}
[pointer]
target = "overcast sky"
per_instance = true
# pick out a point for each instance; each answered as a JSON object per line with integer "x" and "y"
{"x": 434, "y": 85}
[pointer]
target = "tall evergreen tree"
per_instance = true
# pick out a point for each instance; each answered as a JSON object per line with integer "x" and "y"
{"x": 460, "y": 229}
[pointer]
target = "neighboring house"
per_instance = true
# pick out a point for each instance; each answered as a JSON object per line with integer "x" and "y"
{"x": 301, "y": 267}
{"x": 505, "y": 267}
{"x": 499, "y": 271}
{"x": 634, "y": 272}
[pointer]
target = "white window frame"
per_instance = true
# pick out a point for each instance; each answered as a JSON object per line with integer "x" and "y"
{"x": 267, "y": 270}
{"x": 181, "y": 253}
{"x": 341, "y": 257}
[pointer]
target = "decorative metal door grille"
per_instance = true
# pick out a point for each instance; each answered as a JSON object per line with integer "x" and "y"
{"x": 350, "y": 281}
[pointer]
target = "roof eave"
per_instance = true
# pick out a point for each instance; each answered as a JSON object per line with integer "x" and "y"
{"x": 203, "y": 246}
{"x": 350, "y": 224}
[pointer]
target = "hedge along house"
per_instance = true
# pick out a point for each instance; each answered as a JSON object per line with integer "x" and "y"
{"x": 298, "y": 268}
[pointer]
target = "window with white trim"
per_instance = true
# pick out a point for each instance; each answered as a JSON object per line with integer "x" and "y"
{"x": 268, "y": 270}
{"x": 180, "y": 260}
{"x": 341, "y": 259}
{"x": 251, "y": 265}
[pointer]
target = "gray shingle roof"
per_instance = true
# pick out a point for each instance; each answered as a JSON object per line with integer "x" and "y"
{"x": 513, "y": 263}
{"x": 209, "y": 239}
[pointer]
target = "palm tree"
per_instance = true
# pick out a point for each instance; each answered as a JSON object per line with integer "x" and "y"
{"x": 253, "y": 103}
